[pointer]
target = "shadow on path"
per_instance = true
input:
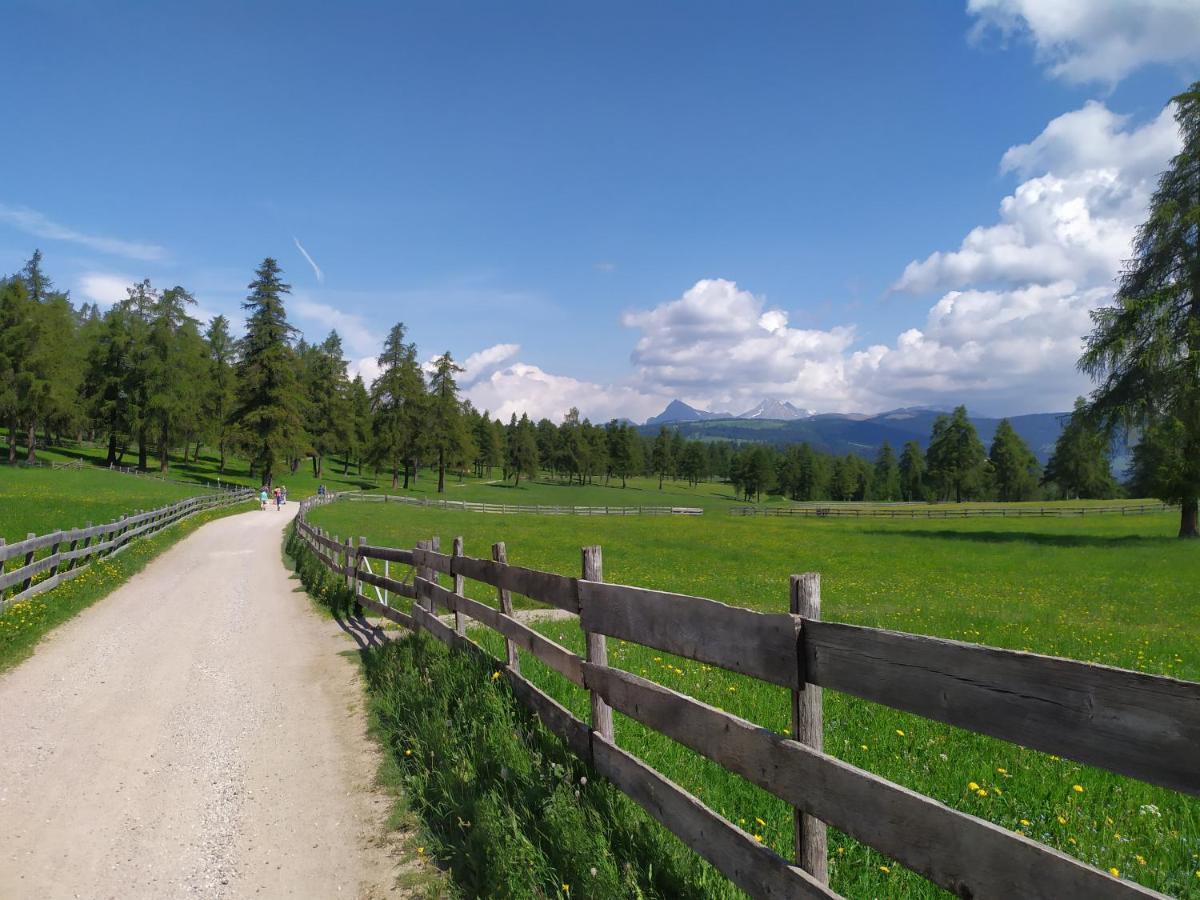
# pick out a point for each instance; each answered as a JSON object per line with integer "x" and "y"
{"x": 367, "y": 636}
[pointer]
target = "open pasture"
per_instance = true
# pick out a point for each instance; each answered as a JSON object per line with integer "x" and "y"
{"x": 1113, "y": 590}
{"x": 42, "y": 500}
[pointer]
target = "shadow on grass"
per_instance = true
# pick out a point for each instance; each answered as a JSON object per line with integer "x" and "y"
{"x": 367, "y": 636}
{"x": 1026, "y": 537}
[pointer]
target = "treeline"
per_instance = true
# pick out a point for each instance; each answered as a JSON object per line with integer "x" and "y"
{"x": 955, "y": 467}
{"x": 144, "y": 377}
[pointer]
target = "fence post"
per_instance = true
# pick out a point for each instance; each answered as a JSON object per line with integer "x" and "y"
{"x": 500, "y": 555}
{"x": 812, "y": 851}
{"x": 87, "y": 543}
{"x": 2, "y": 562}
{"x": 28, "y": 560}
{"x": 53, "y": 551}
{"x": 460, "y": 622}
{"x": 387, "y": 573}
{"x": 597, "y": 646}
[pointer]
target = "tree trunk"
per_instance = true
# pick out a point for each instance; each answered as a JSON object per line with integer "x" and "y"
{"x": 346, "y": 465}
{"x": 141, "y": 438}
{"x": 196, "y": 455}
{"x": 31, "y": 455}
{"x": 111, "y": 460}
{"x": 395, "y": 475}
{"x": 441, "y": 472}
{"x": 1188, "y": 525}
{"x": 406, "y": 462}
{"x": 316, "y": 472}
{"x": 12, "y": 441}
{"x": 164, "y": 451}
{"x": 221, "y": 451}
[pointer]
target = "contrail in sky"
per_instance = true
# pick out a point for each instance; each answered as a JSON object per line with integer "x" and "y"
{"x": 316, "y": 269}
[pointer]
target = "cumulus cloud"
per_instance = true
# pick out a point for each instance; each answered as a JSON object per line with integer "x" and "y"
{"x": 39, "y": 225}
{"x": 105, "y": 288}
{"x": 721, "y": 347}
{"x": 1103, "y": 41}
{"x": 1074, "y": 219}
{"x": 484, "y": 362}
{"x": 524, "y": 388}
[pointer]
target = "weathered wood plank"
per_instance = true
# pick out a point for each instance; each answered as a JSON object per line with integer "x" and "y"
{"x": 961, "y": 853}
{"x": 592, "y": 561}
{"x": 388, "y": 584}
{"x": 758, "y": 644}
{"x": 1144, "y": 726}
{"x": 808, "y": 727}
{"x": 556, "y": 718}
{"x": 431, "y": 559}
{"x": 756, "y": 869}
{"x": 391, "y": 554}
{"x": 388, "y": 612}
{"x": 500, "y": 555}
{"x": 545, "y": 587}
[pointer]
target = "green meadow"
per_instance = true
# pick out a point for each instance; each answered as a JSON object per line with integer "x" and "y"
{"x": 1109, "y": 589}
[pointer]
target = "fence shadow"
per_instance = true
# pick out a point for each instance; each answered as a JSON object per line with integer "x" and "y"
{"x": 366, "y": 635}
{"x": 1024, "y": 537}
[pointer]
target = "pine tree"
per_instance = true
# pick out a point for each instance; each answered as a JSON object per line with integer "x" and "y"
{"x": 885, "y": 485}
{"x": 218, "y": 402}
{"x": 446, "y": 433}
{"x": 912, "y": 473}
{"x": 1080, "y": 465}
{"x": 522, "y": 448}
{"x": 268, "y": 390}
{"x": 1145, "y": 350}
{"x": 661, "y": 460}
{"x": 955, "y": 456}
{"x": 398, "y": 404}
{"x": 1014, "y": 467}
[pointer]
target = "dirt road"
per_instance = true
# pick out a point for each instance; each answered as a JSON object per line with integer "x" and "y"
{"x": 198, "y": 733}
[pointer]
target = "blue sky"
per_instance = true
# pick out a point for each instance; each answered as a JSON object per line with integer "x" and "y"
{"x": 614, "y": 205}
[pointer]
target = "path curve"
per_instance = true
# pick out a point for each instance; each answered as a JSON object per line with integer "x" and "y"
{"x": 197, "y": 733}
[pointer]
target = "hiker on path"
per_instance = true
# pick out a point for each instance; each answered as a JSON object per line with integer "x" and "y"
{"x": 278, "y": 499}
{"x": 262, "y": 498}
{"x": 283, "y": 490}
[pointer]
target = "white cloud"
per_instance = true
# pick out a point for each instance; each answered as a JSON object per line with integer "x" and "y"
{"x": 486, "y": 361}
{"x": 357, "y": 336}
{"x": 1074, "y": 219}
{"x": 524, "y": 388}
{"x": 367, "y": 367}
{"x": 105, "y": 288}
{"x": 1100, "y": 40}
{"x": 720, "y": 347}
{"x": 35, "y": 223}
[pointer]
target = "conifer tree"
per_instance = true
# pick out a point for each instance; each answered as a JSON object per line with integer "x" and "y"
{"x": 398, "y": 404}
{"x": 912, "y": 472}
{"x": 1080, "y": 465}
{"x": 885, "y": 485}
{"x": 1145, "y": 349}
{"x": 446, "y": 431}
{"x": 1014, "y": 467}
{"x": 268, "y": 391}
{"x": 219, "y": 399}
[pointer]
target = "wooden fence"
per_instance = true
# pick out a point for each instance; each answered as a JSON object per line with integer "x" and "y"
{"x": 1143, "y": 726}
{"x": 900, "y": 511}
{"x": 70, "y": 551}
{"x": 508, "y": 508}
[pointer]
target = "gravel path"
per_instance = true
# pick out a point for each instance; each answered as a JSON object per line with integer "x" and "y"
{"x": 198, "y": 733}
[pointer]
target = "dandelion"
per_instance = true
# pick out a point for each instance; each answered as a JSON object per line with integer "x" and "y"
{"x": 760, "y": 821}
{"x": 566, "y": 888}
{"x": 1114, "y": 872}
{"x": 495, "y": 675}
{"x": 420, "y": 851}
{"x": 899, "y": 732}
{"x": 842, "y": 852}
{"x": 1077, "y": 788}
{"x": 1002, "y": 771}
{"x": 972, "y": 786}
{"x": 1026, "y": 822}
{"x": 885, "y": 870}
{"x": 981, "y": 792}
{"x": 408, "y": 753}
{"x": 864, "y": 746}
{"x": 1062, "y": 820}
{"x": 1141, "y": 859}
{"x": 758, "y": 837}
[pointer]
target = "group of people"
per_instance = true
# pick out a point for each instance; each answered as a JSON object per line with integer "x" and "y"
{"x": 266, "y": 494}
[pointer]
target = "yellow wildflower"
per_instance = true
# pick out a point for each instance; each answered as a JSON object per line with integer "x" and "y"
{"x": 758, "y": 837}
{"x": 1062, "y": 820}
{"x": 972, "y": 786}
{"x": 1114, "y": 872}
{"x": 1026, "y": 822}
{"x": 1077, "y": 788}
{"x": 495, "y": 675}
{"x": 760, "y": 821}
{"x": 1141, "y": 859}
{"x": 981, "y": 792}
{"x": 884, "y": 869}
{"x": 899, "y": 732}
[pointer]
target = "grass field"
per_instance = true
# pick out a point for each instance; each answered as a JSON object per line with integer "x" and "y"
{"x": 204, "y": 470}
{"x": 45, "y": 500}
{"x": 1119, "y": 591}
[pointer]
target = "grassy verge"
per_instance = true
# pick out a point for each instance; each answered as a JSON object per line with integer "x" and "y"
{"x": 1111, "y": 590}
{"x": 23, "y": 624}
{"x": 504, "y": 807}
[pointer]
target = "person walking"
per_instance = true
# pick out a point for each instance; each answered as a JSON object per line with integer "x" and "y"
{"x": 262, "y": 498}
{"x": 283, "y": 490}
{"x": 278, "y": 499}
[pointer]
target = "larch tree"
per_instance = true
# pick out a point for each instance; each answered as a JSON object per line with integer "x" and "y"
{"x": 268, "y": 391}
{"x": 446, "y": 431}
{"x": 912, "y": 472}
{"x": 1080, "y": 465}
{"x": 219, "y": 398}
{"x": 1144, "y": 350}
{"x": 955, "y": 457}
{"x": 1014, "y": 467}
{"x": 398, "y": 404}
{"x": 885, "y": 485}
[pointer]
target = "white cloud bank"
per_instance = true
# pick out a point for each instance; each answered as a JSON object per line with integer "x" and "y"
{"x": 1003, "y": 337}
{"x": 1096, "y": 40}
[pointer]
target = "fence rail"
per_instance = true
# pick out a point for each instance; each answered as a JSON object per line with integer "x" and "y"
{"x": 511, "y": 508}
{"x": 947, "y": 512}
{"x": 83, "y": 544}
{"x": 1143, "y": 726}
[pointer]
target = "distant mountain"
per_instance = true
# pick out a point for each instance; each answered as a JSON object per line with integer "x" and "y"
{"x": 678, "y": 412}
{"x": 863, "y": 434}
{"x": 775, "y": 409}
